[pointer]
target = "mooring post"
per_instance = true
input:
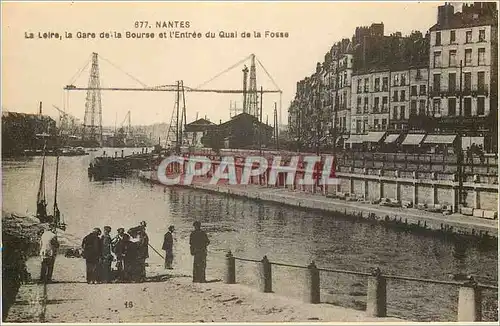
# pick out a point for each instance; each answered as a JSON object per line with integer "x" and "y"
{"x": 376, "y": 301}
{"x": 312, "y": 288}
{"x": 230, "y": 268}
{"x": 266, "y": 284}
{"x": 469, "y": 301}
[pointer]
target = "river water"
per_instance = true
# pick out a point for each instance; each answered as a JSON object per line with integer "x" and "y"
{"x": 252, "y": 230}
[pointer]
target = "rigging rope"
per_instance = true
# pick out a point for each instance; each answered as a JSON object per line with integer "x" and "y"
{"x": 268, "y": 74}
{"x": 126, "y": 73}
{"x": 223, "y": 72}
{"x": 79, "y": 72}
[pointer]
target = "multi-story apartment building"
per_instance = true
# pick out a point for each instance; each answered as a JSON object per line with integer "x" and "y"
{"x": 370, "y": 98}
{"x": 400, "y": 99}
{"x": 441, "y": 82}
{"x": 419, "y": 87}
{"x": 463, "y": 70}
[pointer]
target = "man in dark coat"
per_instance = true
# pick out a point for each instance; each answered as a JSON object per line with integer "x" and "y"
{"x": 106, "y": 256}
{"x": 92, "y": 249}
{"x": 118, "y": 245}
{"x": 168, "y": 246}
{"x": 198, "y": 242}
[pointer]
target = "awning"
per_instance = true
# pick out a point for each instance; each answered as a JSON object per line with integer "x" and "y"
{"x": 374, "y": 136}
{"x": 356, "y": 139}
{"x": 391, "y": 138}
{"x": 440, "y": 139}
{"x": 468, "y": 141}
{"x": 413, "y": 139}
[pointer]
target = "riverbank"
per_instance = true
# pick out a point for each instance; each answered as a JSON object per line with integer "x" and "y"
{"x": 19, "y": 241}
{"x": 404, "y": 217}
{"x": 166, "y": 297}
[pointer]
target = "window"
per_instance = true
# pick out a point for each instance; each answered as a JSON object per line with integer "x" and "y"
{"x": 395, "y": 81}
{"x": 480, "y": 81}
{"x": 343, "y": 123}
{"x": 421, "y": 107}
{"x": 419, "y": 75}
{"x": 377, "y": 84}
{"x": 403, "y": 96}
{"x": 467, "y": 106}
{"x": 359, "y": 86}
{"x": 468, "y": 37}
{"x": 422, "y": 89}
{"x": 384, "y": 103}
{"x": 365, "y": 107}
{"x": 366, "y": 85}
{"x": 437, "y": 83}
{"x": 436, "y": 107}
{"x": 482, "y": 35}
{"x": 480, "y": 105}
{"x": 452, "y": 106}
{"x": 395, "y": 113}
{"x": 403, "y": 79}
{"x": 365, "y": 124}
{"x": 376, "y": 106}
{"x": 384, "y": 123}
{"x": 438, "y": 38}
{"x": 467, "y": 81}
{"x": 358, "y": 107}
{"x": 437, "y": 59}
{"x": 468, "y": 57}
{"x": 452, "y": 37}
{"x": 402, "y": 113}
{"x": 345, "y": 77}
{"x": 385, "y": 84}
{"x": 481, "y": 56}
{"x": 452, "y": 82}
{"x": 395, "y": 96}
{"x": 413, "y": 107}
{"x": 414, "y": 91}
{"x": 375, "y": 123}
{"x": 453, "y": 58}
{"x": 358, "y": 126}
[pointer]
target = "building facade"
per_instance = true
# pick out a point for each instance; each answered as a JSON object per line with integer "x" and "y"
{"x": 463, "y": 70}
{"x": 440, "y": 82}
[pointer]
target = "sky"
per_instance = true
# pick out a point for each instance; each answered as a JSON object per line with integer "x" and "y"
{"x": 37, "y": 69}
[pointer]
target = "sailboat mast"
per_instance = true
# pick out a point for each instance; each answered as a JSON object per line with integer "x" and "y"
{"x": 56, "y": 210}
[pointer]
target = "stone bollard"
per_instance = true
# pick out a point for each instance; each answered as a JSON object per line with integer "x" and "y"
{"x": 230, "y": 268}
{"x": 312, "y": 289}
{"x": 266, "y": 280}
{"x": 376, "y": 301}
{"x": 469, "y": 302}
{"x": 116, "y": 154}
{"x": 122, "y": 153}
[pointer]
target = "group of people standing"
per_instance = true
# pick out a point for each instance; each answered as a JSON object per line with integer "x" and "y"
{"x": 129, "y": 250}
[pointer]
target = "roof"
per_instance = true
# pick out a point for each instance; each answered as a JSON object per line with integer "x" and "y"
{"x": 244, "y": 116}
{"x": 413, "y": 139}
{"x": 24, "y": 115}
{"x": 200, "y": 125}
{"x": 457, "y": 22}
{"x": 440, "y": 139}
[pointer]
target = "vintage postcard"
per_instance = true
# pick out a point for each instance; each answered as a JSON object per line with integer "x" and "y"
{"x": 228, "y": 162}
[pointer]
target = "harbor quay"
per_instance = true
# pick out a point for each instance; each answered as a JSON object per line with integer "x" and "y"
{"x": 221, "y": 299}
{"x": 422, "y": 195}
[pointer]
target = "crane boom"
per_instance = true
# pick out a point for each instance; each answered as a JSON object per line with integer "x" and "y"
{"x": 163, "y": 89}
